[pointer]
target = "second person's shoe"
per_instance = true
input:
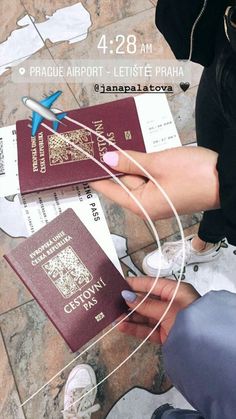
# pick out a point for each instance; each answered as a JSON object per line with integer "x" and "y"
{"x": 80, "y": 393}
{"x": 170, "y": 260}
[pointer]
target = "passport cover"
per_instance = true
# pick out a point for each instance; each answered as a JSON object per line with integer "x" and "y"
{"x": 46, "y": 162}
{"x": 71, "y": 278}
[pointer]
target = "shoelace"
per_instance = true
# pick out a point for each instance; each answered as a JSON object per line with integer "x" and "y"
{"x": 83, "y": 408}
{"x": 172, "y": 252}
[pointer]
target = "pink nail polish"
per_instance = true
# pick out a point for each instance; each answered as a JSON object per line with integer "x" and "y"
{"x": 111, "y": 158}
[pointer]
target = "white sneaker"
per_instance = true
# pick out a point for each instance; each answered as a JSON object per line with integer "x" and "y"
{"x": 81, "y": 379}
{"x": 170, "y": 261}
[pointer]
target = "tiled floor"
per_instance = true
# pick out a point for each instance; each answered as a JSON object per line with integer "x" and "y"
{"x": 31, "y": 350}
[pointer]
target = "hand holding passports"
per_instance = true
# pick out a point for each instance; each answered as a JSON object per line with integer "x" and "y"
{"x": 71, "y": 278}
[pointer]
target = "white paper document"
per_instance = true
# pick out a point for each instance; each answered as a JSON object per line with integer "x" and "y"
{"x": 9, "y": 180}
{"x": 157, "y": 123}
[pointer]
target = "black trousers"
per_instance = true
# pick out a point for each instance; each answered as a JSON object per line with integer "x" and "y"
{"x": 211, "y": 125}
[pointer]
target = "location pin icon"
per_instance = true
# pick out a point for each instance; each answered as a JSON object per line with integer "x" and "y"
{"x": 22, "y": 71}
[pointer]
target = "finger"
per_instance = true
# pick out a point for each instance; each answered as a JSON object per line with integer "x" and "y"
{"x": 114, "y": 192}
{"x": 139, "y": 331}
{"x": 148, "y": 307}
{"x": 137, "y": 318}
{"x": 120, "y": 318}
{"x": 121, "y": 163}
{"x": 117, "y": 194}
{"x": 164, "y": 287}
{"x": 133, "y": 182}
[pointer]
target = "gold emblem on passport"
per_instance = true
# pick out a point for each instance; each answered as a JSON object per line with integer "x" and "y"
{"x": 128, "y": 135}
{"x": 61, "y": 152}
{"x": 99, "y": 317}
{"x": 67, "y": 272}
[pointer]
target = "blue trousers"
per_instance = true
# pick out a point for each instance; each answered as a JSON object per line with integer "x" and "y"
{"x": 200, "y": 357}
{"x": 181, "y": 414}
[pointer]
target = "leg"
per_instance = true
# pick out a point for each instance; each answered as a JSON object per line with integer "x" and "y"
{"x": 175, "y": 414}
{"x": 204, "y": 247}
{"x": 204, "y": 337}
{"x": 210, "y": 125}
{"x": 212, "y": 227}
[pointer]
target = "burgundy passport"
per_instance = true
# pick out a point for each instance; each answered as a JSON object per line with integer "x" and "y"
{"x": 71, "y": 278}
{"x": 45, "y": 161}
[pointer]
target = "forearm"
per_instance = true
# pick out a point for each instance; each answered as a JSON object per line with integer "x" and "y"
{"x": 190, "y": 179}
{"x": 188, "y": 175}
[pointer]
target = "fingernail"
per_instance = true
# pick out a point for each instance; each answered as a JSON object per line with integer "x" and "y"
{"x": 111, "y": 158}
{"x": 129, "y": 296}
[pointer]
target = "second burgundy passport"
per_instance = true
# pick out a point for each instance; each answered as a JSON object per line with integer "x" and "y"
{"x": 71, "y": 278}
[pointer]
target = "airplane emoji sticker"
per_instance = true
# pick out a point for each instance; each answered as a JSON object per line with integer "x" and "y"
{"x": 42, "y": 110}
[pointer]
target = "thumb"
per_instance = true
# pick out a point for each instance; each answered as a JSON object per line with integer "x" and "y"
{"x": 117, "y": 161}
{"x": 149, "y": 307}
